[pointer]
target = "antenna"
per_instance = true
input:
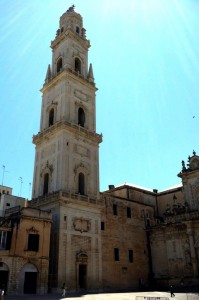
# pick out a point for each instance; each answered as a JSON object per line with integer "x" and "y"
{"x": 20, "y": 178}
{"x": 4, "y": 170}
{"x": 3, "y": 167}
{"x": 29, "y": 189}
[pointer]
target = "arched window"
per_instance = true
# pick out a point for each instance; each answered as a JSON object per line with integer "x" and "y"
{"x": 81, "y": 117}
{"x": 51, "y": 117}
{"x": 77, "y": 65}
{"x": 77, "y": 29}
{"x": 81, "y": 188}
{"x": 59, "y": 65}
{"x": 46, "y": 183}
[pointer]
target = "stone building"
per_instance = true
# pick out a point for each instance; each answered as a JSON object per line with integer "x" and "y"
{"x": 7, "y": 200}
{"x": 66, "y": 173}
{"x": 127, "y": 211}
{"x": 123, "y": 238}
{"x": 176, "y": 234}
{"x": 24, "y": 250}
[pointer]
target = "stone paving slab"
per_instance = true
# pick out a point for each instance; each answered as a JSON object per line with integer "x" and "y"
{"x": 109, "y": 296}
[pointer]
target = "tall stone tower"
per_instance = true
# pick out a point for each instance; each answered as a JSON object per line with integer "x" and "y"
{"x": 67, "y": 144}
{"x": 66, "y": 171}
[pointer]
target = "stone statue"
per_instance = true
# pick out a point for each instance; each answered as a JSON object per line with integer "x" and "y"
{"x": 183, "y": 166}
{"x": 71, "y": 9}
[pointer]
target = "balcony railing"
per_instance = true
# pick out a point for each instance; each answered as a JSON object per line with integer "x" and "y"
{"x": 71, "y": 125}
{"x": 187, "y": 216}
{"x": 51, "y": 197}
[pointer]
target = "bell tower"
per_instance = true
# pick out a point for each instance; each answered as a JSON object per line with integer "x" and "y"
{"x": 67, "y": 144}
{"x": 66, "y": 171}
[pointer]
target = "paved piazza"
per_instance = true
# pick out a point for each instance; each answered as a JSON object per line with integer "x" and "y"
{"x": 112, "y": 296}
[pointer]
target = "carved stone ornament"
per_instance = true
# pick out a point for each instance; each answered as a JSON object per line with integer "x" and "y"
{"x": 79, "y": 167}
{"x": 47, "y": 169}
{"x": 81, "y": 224}
{"x": 32, "y": 229}
{"x": 82, "y": 257}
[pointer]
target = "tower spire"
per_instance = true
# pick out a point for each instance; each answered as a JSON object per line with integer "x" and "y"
{"x": 48, "y": 74}
{"x": 90, "y": 74}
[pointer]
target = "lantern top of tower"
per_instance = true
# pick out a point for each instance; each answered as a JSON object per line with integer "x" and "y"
{"x": 71, "y": 20}
{"x": 71, "y": 13}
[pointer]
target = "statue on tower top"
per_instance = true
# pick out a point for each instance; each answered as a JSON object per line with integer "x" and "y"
{"x": 71, "y": 8}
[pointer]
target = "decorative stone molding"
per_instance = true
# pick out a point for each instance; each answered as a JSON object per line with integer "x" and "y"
{"x": 47, "y": 169}
{"x": 83, "y": 151}
{"x": 80, "y": 168}
{"x": 52, "y": 105}
{"x": 81, "y": 224}
{"x": 32, "y": 230}
{"x": 47, "y": 151}
{"x": 81, "y": 96}
{"x": 82, "y": 257}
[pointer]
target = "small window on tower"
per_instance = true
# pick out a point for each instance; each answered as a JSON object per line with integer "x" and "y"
{"x": 81, "y": 183}
{"x": 81, "y": 117}
{"x": 51, "y": 117}
{"x": 77, "y": 29}
{"x": 59, "y": 65}
{"x": 77, "y": 65}
{"x": 46, "y": 183}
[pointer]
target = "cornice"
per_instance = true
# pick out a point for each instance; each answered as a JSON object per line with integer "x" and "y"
{"x": 64, "y": 125}
{"x": 65, "y": 198}
{"x": 69, "y": 74}
{"x": 188, "y": 173}
{"x": 69, "y": 33}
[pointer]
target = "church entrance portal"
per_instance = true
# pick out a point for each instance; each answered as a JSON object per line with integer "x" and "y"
{"x": 82, "y": 261}
{"x": 82, "y": 276}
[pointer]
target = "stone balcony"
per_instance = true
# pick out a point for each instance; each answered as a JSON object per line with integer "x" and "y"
{"x": 62, "y": 195}
{"x": 69, "y": 125}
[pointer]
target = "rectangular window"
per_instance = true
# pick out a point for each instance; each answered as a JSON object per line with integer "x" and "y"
{"x": 33, "y": 242}
{"x": 102, "y": 225}
{"x": 116, "y": 254}
{"x": 130, "y": 256}
{"x": 3, "y": 237}
{"x": 64, "y": 218}
{"x": 128, "y": 212}
{"x": 115, "y": 209}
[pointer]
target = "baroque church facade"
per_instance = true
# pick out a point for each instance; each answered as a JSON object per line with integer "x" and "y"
{"x": 123, "y": 238}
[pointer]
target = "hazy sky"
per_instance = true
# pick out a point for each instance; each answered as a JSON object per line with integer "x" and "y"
{"x": 145, "y": 56}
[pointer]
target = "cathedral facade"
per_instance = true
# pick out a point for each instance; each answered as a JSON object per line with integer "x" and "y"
{"x": 126, "y": 237}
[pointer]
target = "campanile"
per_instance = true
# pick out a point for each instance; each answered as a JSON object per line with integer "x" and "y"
{"x": 66, "y": 170}
{"x": 67, "y": 144}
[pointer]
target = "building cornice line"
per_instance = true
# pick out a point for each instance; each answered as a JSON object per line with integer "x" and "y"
{"x": 69, "y": 33}
{"x": 68, "y": 73}
{"x": 74, "y": 128}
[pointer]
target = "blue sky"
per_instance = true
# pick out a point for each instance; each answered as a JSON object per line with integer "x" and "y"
{"x": 145, "y": 56}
